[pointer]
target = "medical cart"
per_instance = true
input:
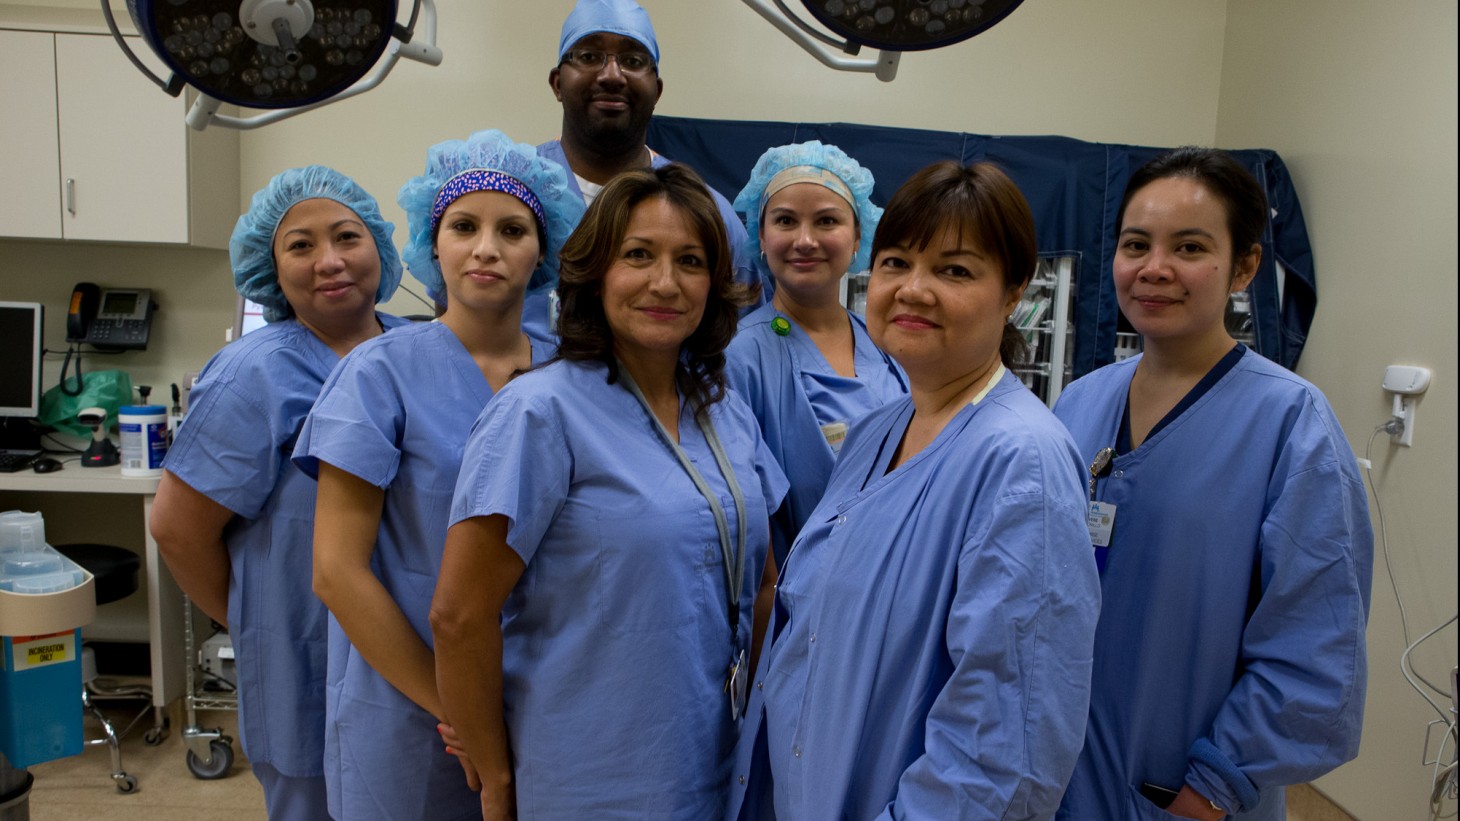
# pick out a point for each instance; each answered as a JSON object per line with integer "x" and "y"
{"x": 210, "y": 751}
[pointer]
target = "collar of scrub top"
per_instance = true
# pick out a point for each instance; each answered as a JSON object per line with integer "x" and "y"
{"x": 734, "y": 562}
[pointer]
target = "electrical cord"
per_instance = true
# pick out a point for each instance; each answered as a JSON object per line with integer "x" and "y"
{"x": 424, "y": 301}
{"x": 66, "y": 365}
{"x": 1394, "y": 426}
{"x": 1444, "y": 774}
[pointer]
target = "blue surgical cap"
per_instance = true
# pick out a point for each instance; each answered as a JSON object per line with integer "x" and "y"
{"x": 490, "y": 151}
{"x": 829, "y": 158}
{"x": 251, "y": 249}
{"x": 622, "y": 17}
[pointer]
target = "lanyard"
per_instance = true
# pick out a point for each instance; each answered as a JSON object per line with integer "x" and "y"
{"x": 734, "y": 561}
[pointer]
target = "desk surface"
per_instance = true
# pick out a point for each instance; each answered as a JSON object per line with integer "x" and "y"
{"x": 74, "y": 478}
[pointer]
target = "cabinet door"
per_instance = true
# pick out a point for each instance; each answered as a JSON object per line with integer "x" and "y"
{"x": 123, "y": 145}
{"x": 30, "y": 169}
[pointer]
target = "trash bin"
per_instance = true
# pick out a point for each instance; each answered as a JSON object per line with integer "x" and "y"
{"x": 45, "y": 598}
{"x": 14, "y": 792}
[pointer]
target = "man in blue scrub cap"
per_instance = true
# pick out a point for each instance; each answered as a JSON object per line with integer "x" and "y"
{"x": 607, "y": 79}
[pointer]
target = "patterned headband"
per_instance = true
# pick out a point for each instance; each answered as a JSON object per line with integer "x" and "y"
{"x": 483, "y": 179}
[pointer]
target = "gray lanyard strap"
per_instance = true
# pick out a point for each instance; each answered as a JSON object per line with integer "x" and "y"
{"x": 734, "y": 562}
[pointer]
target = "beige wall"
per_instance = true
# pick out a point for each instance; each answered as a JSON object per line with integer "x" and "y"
{"x": 720, "y": 59}
{"x": 1359, "y": 99}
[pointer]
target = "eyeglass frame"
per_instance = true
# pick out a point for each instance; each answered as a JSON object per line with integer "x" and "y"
{"x": 650, "y": 66}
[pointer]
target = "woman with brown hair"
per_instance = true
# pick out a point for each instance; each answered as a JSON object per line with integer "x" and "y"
{"x": 934, "y": 619}
{"x": 610, "y": 532}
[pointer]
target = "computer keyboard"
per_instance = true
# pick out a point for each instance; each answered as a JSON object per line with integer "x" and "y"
{"x": 14, "y": 460}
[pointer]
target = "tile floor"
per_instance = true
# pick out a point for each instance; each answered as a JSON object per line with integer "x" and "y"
{"x": 80, "y": 788}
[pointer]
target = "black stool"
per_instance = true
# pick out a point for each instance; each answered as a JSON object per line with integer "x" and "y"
{"x": 115, "y": 569}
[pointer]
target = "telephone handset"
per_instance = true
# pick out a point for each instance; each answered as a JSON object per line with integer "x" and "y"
{"x": 110, "y": 318}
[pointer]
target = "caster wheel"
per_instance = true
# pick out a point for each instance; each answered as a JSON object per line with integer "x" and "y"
{"x": 127, "y": 784}
{"x": 155, "y": 736}
{"x": 216, "y": 765}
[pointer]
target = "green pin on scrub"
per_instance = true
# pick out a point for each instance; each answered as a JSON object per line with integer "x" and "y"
{"x": 781, "y": 326}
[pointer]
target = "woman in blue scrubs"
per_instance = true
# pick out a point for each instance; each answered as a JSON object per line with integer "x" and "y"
{"x": 934, "y": 619}
{"x": 385, "y": 439}
{"x": 233, "y": 517}
{"x": 607, "y": 560}
{"x": 1235, "y": 549}
{"x": 803, "y": 362}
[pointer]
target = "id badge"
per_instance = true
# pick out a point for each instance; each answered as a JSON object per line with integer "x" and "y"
{"x": 735, "y": 685}
{"x": 1100, "y": 518}
{"x": 835, "y": 433}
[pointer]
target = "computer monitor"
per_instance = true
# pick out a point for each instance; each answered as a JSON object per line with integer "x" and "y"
{"x": 20, "y": 366}
{"x": 248, "y": 316}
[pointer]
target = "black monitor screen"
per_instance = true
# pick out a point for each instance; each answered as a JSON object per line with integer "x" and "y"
{"x": 20, "y": 358}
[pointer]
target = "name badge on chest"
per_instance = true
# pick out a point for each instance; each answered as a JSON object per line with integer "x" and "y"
{"x": 1100, "y": 518}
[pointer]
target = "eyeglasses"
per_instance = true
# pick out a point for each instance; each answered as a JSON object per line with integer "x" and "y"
{"x": 629, "y": 62}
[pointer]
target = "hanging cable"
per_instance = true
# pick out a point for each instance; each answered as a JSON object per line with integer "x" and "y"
{"x": 72, "y": 350}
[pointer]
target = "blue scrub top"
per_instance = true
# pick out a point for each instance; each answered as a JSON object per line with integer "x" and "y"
{"x": 793, "y": 391}
{"x": 244, "y": 415}
{"x": 396, "y": 413}
{"x": 933, "y": 628}
{"x": 1230, "y": 652}
{"x": 616, "y": 640}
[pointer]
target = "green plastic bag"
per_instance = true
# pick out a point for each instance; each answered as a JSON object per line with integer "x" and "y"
{"x": 109, "y": 390}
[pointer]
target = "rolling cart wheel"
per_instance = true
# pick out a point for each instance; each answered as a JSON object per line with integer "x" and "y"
{"x": 127, "y": 784}
{"x": 155, "y": 735}
{"x": 216, "y": 765}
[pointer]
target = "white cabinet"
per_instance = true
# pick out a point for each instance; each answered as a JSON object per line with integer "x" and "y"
{"x": 102, "y": 154}
{"x": 30, "y": 167}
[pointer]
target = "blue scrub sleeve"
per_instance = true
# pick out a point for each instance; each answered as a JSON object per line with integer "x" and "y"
{"x": 229, "y": 449}
{"x": 518, "y": 463}
{"x": 1003, "y": 735}
{"x": 356, "y": 423}
{"x": 1297, "y": 709}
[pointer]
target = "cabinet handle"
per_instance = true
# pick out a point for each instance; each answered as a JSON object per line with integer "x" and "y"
{"x": 71, "y": 196}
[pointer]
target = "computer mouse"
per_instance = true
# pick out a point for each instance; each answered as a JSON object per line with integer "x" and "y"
{"x": 45, "y": 466}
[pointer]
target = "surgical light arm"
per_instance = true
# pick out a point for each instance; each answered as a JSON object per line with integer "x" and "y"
{"x": 884, "y": 65}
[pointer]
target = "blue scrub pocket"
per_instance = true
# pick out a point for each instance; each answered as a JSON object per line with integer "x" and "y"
{"x": 653, "y": 570}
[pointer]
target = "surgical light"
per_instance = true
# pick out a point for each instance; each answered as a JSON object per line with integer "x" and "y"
{"x": 891, "y": 26}
{"x": 284, "y": 56}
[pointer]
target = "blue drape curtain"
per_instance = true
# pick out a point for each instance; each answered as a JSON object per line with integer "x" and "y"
{"x": 1073, "y": 187}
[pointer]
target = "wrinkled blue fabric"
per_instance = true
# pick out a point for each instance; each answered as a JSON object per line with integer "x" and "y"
{"x": 933, "y": 628}
{"x": 793, "y": 391}
{"x": 616, "y": 640}
{"x": 1230, "y": 653}
{"x": 243, "y": 418}
{"x": 396, "y": 414}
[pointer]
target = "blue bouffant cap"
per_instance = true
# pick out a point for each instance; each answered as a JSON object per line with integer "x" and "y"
{"x": 815, "y": 162}
{"x": 622, "y": 17}
{"x": 487, "y": 161}
{"x": 251, "y": 249}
